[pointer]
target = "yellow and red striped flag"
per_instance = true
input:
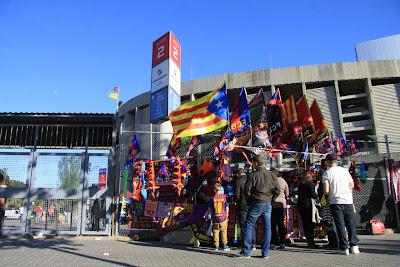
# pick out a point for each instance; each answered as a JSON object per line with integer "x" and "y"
{"x": 114, "y": 94}
{"x": 290, "y": 111}
{"x": 202, "y": 115}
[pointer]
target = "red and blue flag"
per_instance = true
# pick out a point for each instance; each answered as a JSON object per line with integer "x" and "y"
{"x": 134, "y": 151}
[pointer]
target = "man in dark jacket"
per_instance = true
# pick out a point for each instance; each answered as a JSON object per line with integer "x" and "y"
{"x": 241, "y": 204}
{"x": 259, "y": 189}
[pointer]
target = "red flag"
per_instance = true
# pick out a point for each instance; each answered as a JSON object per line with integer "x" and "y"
{"x": 321, "y": 127}
{"x": 305, "y": 118}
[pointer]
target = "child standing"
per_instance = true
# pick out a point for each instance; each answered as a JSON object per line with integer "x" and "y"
{"x": 220, "y": 218}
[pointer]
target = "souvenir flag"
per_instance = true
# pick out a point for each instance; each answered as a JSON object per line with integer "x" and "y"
{"x": 257, "y": 99}
{"x": 134, "y": 151}
{"x": 173, "y": 146}
{"x": 240, "y": 118}
{"x": 305, "y": 154}
{"x": 201, "y": 116}
{"x": 164, "y": 170}
{"x": 143, "y": 181}
{"x": 289, "y": 111}
{"x": 222, "y": 142}
{"x": 207, "y": 166}
{"x": 275, "y": 119}
{"x": 354, "y": 146}
{"x": 196, "y": 140}
{"x": 305, "y": 118}
{"x": 114, "y": 94}
{"x": 321, "y": 127}
{"x": 341, "y": 146}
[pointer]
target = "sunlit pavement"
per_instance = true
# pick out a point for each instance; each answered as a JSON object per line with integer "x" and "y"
{"x": 89, "y": 251}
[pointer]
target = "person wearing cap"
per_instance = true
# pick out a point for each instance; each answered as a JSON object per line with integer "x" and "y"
{"x": 338, "y": 185}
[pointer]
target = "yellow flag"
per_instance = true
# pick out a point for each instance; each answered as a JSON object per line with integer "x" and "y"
{"x": 114, "y": 94}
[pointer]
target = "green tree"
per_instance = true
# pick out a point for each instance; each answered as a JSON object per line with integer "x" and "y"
{"x": 69, "y": 171}
{"x": 11, "y": 183}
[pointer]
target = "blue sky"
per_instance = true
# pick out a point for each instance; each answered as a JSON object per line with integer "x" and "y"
{"x": 66, "y": 55}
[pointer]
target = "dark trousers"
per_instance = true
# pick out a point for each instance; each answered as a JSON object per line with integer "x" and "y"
{"x": 343, "y": 214}
{"x": 308, "y": 225}
{"x": 278, "y": 225}
{"x": 242, "y": 222}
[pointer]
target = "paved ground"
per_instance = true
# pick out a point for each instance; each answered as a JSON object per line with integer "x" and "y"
{"x": 376, "y": 251}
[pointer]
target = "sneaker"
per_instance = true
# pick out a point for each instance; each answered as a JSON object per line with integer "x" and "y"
{"x": 282, "y": 246}
{"x": 215, "y": 249}
{"x": 344, "y": 252}
{"x": 354, "y": 250}
{"x": 242, "y": 255}
{"x": 265, "y": 257}
{"x": 226, "y": 248}
{"x": 254, "y": 248}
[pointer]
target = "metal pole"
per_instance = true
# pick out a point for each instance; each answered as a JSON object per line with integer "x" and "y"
{"x": 387, "y": 146}
{"x": 151, "y": 141}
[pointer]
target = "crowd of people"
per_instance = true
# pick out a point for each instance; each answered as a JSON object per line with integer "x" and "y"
{"x": 263, "y": 193}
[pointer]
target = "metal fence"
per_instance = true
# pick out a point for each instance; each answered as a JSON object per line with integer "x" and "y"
{"x": 56, "y": 192}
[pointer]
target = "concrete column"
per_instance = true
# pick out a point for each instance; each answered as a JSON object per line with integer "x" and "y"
{"x": 371, "y": 108}
{"x": 272, "y": 89}
{"x": 303, "y": 89}
{"x": 164, "y": 137}
{"x": 339, "y": 107}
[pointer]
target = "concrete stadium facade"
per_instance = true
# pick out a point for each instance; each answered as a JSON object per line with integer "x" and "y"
{"x": 356, "y": 98}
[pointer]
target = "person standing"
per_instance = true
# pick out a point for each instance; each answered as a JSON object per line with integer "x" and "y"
{"x": 242, "y": 206}
{"x": 220, "y": 218}
{"x": 338, "y": 185}
{"x": 2, "y": 202}
{"x": 327, "y": 218}
{"x": 278, "y": 213}
{"x": 306, "y": 193}
{"x": 259, "y": 189}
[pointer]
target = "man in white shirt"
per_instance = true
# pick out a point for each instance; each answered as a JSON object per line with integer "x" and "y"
{"x": 338, "y": 185}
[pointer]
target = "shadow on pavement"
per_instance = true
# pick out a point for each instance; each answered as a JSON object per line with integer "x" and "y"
{"x": 63, "y": 245}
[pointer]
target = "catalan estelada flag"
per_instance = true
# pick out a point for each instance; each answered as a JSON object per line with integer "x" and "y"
{"x": 202, "y": 115}
{"x": 114, "y": 94}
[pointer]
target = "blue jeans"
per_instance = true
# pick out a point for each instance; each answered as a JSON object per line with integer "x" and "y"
{"x": 256, "y": 210}
{"x": 343, "y": 215}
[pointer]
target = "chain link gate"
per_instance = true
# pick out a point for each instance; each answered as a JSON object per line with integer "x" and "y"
{"x": 55, "y": 193}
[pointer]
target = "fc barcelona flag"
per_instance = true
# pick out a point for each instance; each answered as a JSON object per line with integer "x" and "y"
{"x": 240, "y": 118}
{"x": 305, "y": 118}
{"x": 173, "y": 146}
{"x": 134, "y": 151}
{"x": 321, "y": 127}
{"x": 275, "y": 118}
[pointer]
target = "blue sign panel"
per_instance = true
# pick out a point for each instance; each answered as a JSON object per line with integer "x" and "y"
{"x": 159, "y": 105}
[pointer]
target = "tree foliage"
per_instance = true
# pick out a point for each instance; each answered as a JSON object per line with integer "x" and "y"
{"x": 9, "y": 182}
{"x": 69, "y": 171}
